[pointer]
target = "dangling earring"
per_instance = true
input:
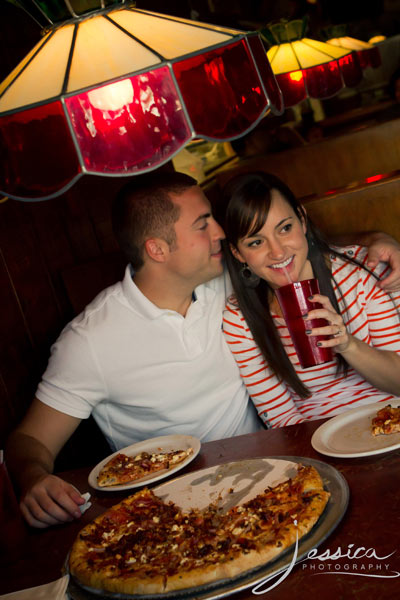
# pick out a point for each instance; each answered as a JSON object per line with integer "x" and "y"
{"x": 249, "y": 278}
{"x": 312, "y": 246}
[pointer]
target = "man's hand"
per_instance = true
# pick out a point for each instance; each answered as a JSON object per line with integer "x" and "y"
{"x": 30, "y": 453}
{"x": 384, "y": 248}
{"x": 50, "y": 501}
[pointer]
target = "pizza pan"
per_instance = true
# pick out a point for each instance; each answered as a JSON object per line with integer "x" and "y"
{"x": 247, "y": 478}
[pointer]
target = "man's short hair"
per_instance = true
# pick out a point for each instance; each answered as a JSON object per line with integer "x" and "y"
{"x": 143, "y": 209}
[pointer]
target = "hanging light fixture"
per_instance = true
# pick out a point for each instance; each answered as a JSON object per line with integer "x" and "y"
{"x": 368, "y": 54}
{"x": 119, "y": 91}
{"x": 305, "y": 67}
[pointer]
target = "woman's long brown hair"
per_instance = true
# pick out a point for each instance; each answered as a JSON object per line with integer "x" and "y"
{"x": 248, "y": 199}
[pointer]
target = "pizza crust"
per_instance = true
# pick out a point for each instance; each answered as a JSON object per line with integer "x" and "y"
{"x": 122, "y": 469}
{"x": 264, "y": 544}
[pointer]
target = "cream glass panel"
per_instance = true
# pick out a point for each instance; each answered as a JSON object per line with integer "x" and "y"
{"x": 350, "y": 43}
{"x": 103, "y": 52}
{"x": 44, "y": 76}
{"x": 310, "y": 57}
{"x": 20, "y": 66}
{"x": 332, "y": 51}
{"x": 213, "y": 27}
{"x": 168, "y": 38}
{"x": 284, "y": 59}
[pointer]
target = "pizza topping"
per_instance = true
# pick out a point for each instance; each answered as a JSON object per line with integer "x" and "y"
{"x": 144, "y": 537}
{"x": 123, "y": 469}
{"x": 386, "y": 421}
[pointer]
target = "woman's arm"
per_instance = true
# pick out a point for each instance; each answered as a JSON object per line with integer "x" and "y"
{"x": 379, "y": 363}
{"x": 271, "y": 397}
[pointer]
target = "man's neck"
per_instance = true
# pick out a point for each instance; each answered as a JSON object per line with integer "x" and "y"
{"x": 164, "y": 294}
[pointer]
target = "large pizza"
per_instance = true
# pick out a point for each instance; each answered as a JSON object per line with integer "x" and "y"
{"x": 144, "y": 545}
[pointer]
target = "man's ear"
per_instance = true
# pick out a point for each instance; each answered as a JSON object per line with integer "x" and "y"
{"x": 157, "y": 249}
{"x": 236, "y": 253}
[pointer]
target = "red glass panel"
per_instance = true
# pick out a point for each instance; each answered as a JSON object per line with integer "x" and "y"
{"x": 351, "y": 69}
{"x": 374, "y": 57}
{"x": 129, "y": 126}
{"x": 292, "y": 87}
{"x": 37, "y": 154}
{"x": 267, "y": 75}
{"x": 324, "y": 80}
{"x": 363, "y": 58}
{"x": 222, "y": 91}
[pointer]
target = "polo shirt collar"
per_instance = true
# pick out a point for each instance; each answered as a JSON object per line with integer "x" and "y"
{"x": 136, "y": 299}
{"x": 142, "y": 304}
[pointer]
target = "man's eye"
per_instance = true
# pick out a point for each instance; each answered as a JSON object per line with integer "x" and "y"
{"x": 204, "y": 226}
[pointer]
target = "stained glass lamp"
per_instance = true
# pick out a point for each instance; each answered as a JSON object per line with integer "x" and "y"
{"x": 368, "y": 54}
{"x": 119, "y": 91}
{"x": 305, "y": 67}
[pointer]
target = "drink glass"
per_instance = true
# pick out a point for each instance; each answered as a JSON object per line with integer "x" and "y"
{"x": 294, "y": 302}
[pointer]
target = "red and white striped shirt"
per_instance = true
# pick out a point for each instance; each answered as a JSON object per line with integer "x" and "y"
{"x": 369, "y": 313}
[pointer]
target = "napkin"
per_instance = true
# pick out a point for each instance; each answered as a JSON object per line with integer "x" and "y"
{"x": 83, "y": 507}
{"x": 55, "y": 590}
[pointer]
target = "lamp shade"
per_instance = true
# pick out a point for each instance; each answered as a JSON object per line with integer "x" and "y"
{"x": 368, "y": 54}
{"x": 307, "y": 67}
{"x": 120, "y": 91}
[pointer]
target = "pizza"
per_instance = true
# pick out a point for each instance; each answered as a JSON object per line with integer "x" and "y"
{"x": 144, "y": 545}
{"x": 123, "y": 469}
{"x": 386, "y": 421}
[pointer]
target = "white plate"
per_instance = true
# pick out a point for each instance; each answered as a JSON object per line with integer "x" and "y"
{"x": 164, "y": 443}
{"x": 348, "y": 435}
{"x": 231, "y": 484}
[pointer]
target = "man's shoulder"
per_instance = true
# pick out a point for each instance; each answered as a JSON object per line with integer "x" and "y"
{"x": 101, "y": 308}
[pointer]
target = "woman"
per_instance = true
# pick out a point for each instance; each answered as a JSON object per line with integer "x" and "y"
{"x": 270, "y": 241}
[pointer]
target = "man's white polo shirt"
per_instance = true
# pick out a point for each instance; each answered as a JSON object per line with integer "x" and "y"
{"x": 144, "y": 371}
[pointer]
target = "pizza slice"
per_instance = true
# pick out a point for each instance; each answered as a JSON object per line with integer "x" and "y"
{"x": 147, "y": 546}
{"x": 386, "y": 421}
{"x": 122, "y": 469}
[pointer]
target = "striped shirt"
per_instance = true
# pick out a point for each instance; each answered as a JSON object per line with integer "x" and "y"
{"x": 369, "y": 313}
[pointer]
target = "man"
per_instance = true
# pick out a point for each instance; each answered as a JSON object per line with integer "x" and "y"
{"x": 147, "y": 356}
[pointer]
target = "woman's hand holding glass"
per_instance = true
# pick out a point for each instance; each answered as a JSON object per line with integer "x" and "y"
{"x": 341, "y": 339}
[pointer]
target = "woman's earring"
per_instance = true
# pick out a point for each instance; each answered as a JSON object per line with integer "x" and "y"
{"x": 249, "y": 278}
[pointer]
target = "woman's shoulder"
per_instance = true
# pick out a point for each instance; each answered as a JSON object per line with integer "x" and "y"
{"x": 232, "y": 312}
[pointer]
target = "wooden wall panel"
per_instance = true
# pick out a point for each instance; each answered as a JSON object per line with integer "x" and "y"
{"x": 41, "y": 242}
{"x": 330, "y": 163}
{"x": 375, "y": 206}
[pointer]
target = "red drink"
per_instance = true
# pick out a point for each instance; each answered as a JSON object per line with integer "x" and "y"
{"x": 293, "y": 300}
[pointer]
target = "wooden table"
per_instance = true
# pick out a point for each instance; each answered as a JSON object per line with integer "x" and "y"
{"x": 371, "y": 524}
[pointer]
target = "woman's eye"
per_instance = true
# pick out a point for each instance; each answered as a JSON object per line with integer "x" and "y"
{"x": 287, "y": 227}
{"x": 254, "y": 243}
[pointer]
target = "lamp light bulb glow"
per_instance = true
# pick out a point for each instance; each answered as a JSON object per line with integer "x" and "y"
{"x": 113, "y": 96}
{"x": 296, "y": 75}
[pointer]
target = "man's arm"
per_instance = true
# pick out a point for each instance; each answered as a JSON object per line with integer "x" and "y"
{"x": 30, "y": 453}
{"x": 381, "y": 248}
